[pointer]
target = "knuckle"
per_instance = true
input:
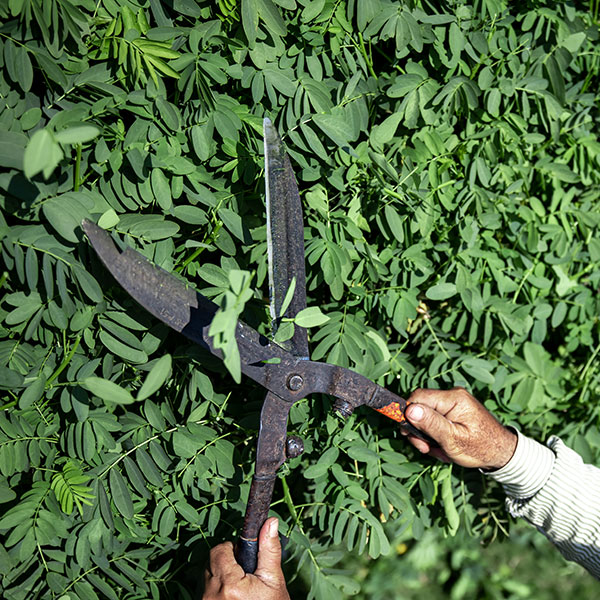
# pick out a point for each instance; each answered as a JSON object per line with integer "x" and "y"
{"x": 462, "y": 394}
{"x": 230, "y": 591}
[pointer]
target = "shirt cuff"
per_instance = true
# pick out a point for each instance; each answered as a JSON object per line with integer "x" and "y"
{"x": 528, "y": 469}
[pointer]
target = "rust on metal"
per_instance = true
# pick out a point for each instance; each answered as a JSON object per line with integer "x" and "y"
{"x": 285, "y": 238}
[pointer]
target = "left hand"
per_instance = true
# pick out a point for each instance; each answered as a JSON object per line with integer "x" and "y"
{"x": 468, "y": 434}
{"x": 226, "y": 580}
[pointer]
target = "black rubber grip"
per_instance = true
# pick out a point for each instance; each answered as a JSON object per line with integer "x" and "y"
{"x": 246, "y": 554}
{"x": 410, "y": 429}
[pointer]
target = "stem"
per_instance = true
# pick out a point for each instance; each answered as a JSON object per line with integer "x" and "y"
{"x": 196, "y": 253}
{"x": 65, "y": 361}
{"x": 288, "y": 499}
{"x": 590, "y": 361}
{"x": 367, "y": 57}
{"x": 435, "y": 337}
{"x": 76, "y": 181}
{"x": 523, "y": 280}
{"x": 146, "y": 441}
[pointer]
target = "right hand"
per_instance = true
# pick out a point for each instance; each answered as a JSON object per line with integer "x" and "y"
{"x": 468, "y": 434}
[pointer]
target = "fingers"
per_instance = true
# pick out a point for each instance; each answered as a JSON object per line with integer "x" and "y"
{"x": 442, "y": 401}
{"x": 423, "y": 447}
{"x": 431, "y": 422}
{"x": 268, "y": 567}
{"x": 222, "y": 561}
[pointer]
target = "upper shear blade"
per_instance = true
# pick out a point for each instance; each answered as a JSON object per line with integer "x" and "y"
{"x": 285, "y": 237}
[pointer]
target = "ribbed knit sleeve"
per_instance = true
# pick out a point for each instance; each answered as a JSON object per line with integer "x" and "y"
{"x": 555, "y": 491}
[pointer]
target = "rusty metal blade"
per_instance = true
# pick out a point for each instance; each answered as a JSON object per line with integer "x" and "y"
{"x": 185, "y": 310}
{"x": 285, "y": 237}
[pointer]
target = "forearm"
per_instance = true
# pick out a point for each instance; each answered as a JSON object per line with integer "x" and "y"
{"x": 557, "y": 493}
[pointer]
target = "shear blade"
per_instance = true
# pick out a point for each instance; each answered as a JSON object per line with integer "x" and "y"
{"x": 285, "y": 237}
{"x": 187, "y": 311}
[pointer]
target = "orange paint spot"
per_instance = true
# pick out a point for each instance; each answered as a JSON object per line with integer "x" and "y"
{"x": 393, "y": 411}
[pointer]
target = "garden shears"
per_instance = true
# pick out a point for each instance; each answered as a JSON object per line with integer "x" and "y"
{"x": 283, "y": 369}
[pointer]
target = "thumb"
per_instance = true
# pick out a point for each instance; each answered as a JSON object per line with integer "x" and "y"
{"x": 430, "y": 422}
{"x": 268, "y": 566}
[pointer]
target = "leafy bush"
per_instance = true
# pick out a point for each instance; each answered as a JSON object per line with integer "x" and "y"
{"x": 525, "y": 567}
{"x": 447, "y": 154}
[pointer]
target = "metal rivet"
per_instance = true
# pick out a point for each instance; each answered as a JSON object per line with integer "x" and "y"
{"x": 295, "y": 382}
{"x": 294, "y": 446}
{"x": 343, "y": 408}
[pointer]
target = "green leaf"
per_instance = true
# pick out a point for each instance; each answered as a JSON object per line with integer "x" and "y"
{"x": 272, "y": 17}
{"x": 202, "y": 138}
{"x": 167, "y": 522}
{"x": 250, "y": 20}
{"x": 24, "y": 68}
{"x": 148, "y": 467}
{"x": 441, "y": 291}
{"x": 77, "y": 134}
{"x": 107, "y": 390}
{"x": 535, "y": 357}
{"x": 88, "y": 284}
{"x": 479, "y": 369}
{"x": 310, "y": 317}
{"x": 449, "y": 505}
{"x": 123, "y": 350}
{"x": 108, "y": 219}
{"x": 120, "y": 493}
{"x": 155, "y": 378}
{"x": 41, "y": 153}
{"x": 184, "y": 445}
{"x": 161, "y": 189}
{"x": 33, "y": 392}
{"x": 233, "y": 222}
{"x": 315, "y": 471}
{"x": 66, "y": 212}
{"x": 289, "y": 296}
{"x": 404, "y": 84}
{"x": 395, "y": 222}
{"x": 190, "y": 214}
{"x": 363, "y": 454}
{"x": 574, "y": 41}
{"x": 335, "y": 127}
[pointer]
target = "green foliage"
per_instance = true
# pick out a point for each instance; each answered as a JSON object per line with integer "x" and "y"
{"x": 526, "y": 567}
{"x": 448, "y": 161}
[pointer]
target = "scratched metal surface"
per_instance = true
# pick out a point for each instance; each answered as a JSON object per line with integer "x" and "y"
{"x": 285, "y": 237}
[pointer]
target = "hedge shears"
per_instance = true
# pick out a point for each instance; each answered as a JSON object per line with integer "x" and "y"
{"x": 283, "y": 369}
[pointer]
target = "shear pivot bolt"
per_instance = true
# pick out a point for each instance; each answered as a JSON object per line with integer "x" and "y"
{"x": 343, "y": 408}
{"x": 294, "y": 446}
{"x": 295, "y": 382}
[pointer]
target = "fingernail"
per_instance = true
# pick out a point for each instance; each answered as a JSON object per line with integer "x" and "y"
{"x": 416, "y": 413}
{"x": 273, "y": 528}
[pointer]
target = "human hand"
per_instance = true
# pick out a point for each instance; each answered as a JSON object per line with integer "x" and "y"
{"x": 226, "y": 580}
{"x": 468, "y": 434}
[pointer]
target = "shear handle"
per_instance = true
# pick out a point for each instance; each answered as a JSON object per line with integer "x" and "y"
{"x": 257, "y": 511}
{"x": 396, "y": 412}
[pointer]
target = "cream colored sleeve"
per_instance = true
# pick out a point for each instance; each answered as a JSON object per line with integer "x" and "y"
{"x": 552, "y": 488}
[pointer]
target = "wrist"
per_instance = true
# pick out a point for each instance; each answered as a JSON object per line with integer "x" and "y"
{"x": 506, "y": 446}
{"x": 528, "y": 470}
